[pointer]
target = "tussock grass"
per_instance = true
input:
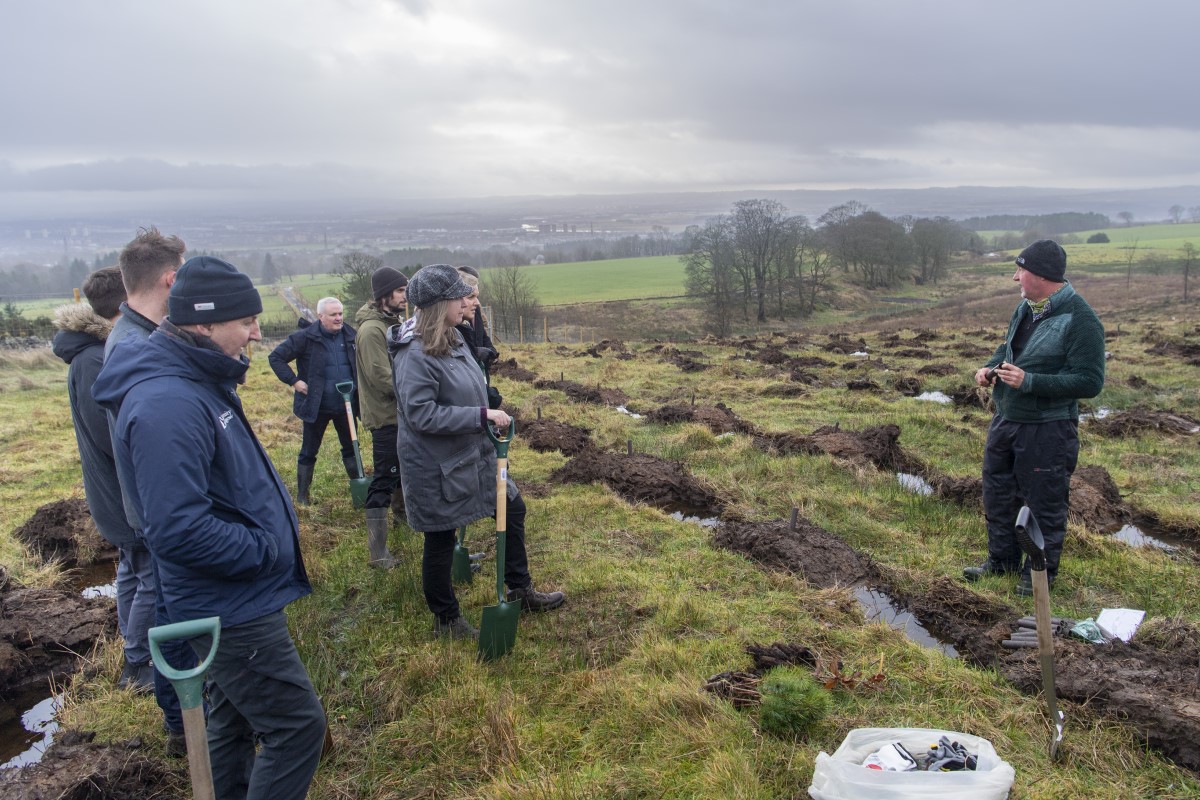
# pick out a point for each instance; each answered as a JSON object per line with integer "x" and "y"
{"x": 602, "y": 698}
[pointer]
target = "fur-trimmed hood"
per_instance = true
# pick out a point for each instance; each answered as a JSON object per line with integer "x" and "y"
{"x": 79, "y": 327}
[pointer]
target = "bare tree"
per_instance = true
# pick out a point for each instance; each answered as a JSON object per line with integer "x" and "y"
{"x": 512, "y": 294}
{"x": 1126, "y": 217}
{"x": 355, "y": 269}
{"x": 1189, "y": 258}
{"x": 934, "y": 240}
{"x": 1194, "y": 213}
{"x": 1131, "y": 252}
{"x": 711, "y": 276}
{"x": 1176, "y": 213}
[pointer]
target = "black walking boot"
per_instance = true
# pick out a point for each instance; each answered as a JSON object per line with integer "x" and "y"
{"x": 988, "y": 567}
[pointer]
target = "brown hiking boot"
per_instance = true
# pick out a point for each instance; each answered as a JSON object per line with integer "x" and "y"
{"x": 533, "y": 600}
{"x": 457, "y": 628}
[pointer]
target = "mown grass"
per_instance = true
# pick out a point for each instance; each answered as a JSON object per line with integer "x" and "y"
{"x": 602, "y": 699}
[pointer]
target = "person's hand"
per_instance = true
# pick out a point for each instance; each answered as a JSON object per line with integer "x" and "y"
{"x": 498, "y": 418}
{"x": 1011, "y": 375}
{"x": 984, "y": 376}
{"x": 301, "y": 387}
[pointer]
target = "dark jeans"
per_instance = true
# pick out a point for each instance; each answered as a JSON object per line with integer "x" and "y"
{"x": 261, "y": 694}
{"x": 1031, "y": 464}
{"x": 314, "y": 432}
{"x": 438, "y": 558}
{"x": 386, "y": 476}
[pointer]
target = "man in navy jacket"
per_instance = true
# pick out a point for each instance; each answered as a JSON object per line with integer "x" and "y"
{"x": 325, "y": 356}
{"x": 220, "y": 524}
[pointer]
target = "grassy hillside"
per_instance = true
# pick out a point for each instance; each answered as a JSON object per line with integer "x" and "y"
{"x": 603, "y": 699}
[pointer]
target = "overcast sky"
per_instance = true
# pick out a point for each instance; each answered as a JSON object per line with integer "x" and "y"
{"x": 446, "y": 98}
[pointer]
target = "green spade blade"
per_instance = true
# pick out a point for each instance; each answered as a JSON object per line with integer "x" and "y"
{"x": 460, "y": 568}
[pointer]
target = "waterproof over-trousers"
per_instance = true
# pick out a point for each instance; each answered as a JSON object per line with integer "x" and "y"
{"x": 386, "y": 466}
{"x": 261, "y": 694}
{"x": 1028, "y": 463}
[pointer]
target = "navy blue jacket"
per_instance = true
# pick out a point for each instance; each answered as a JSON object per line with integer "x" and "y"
{"x": 80, "y": 343}
{"x": 216, "y": 514}
{"x": 306, "y": 348}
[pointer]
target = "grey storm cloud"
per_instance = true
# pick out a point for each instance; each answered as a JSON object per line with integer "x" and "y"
{"x": 411, "y": 98}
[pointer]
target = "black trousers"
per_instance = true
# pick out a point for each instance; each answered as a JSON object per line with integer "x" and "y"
{"x": 438, "y": 558}
{"x": 386, "y": 475}
{"x": 314, "y": 432}
{"x": 1027, "y": 463}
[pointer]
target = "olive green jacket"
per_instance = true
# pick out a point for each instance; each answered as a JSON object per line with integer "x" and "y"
{"x": 376, "y": 393}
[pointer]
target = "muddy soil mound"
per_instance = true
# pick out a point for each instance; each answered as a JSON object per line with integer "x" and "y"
{"x": 77, "y": 768}
{"x": 1095, "y": 500}
{"x": 955, "y": 614}
{"x": 585, "y": 394}
{"x": 1133, "y": 423}
{"x": 810, "y": 551}
{"x": 771, "y": 355}
{"x": 907, "y": 386}
{"x": 912, "y": 352}
{"x": 810, "y": 362}
{"x": 862, "y": 385}
{"x": 842, "y": 344}
{"x": 547, "y": 435}
{"x": 964, "y": 491}
{"x": 509, "y": 368}
{"x": 643, "y": 479}
{"x": 878, "y": 445}
{"x": 43, "y": 632}
{"x": 971, "y": 397}
{"x": 938, "y": 369}
{"x": 969, "y": 350}
{"x": 63, "y": 531}
{"x": 1155, "y": 691}
{"x": 718, "y": 419}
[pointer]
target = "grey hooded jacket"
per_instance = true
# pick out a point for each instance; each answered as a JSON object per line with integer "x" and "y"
{"x": 447, "y": 462}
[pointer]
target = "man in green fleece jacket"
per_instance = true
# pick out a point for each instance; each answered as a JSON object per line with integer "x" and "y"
{"x": 1052, "y": 356}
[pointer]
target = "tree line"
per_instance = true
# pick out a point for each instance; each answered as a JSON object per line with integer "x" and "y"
{"x": 759, "y": 261}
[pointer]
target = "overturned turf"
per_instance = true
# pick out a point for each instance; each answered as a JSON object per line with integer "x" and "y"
{"x": 63, "y": 532}
{"x": 642, "y": 478}
{"x": 76, "y": 767}
{"x": 878, "y": 446}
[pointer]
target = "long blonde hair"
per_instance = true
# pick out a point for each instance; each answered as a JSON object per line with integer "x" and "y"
{"x": 437, "y": 336}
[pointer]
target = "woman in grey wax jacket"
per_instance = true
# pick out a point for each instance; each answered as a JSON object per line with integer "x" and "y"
{"x": 447, "y": 461}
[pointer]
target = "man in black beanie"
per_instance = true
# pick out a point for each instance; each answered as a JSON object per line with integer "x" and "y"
{"x": 220, "y": 525}
{"x": 377, "y": 400}
{"x": 1052, "y": 356}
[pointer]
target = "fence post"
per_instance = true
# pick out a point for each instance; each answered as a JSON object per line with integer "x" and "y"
{"x": 521, "y": 328}
{"x": 545, "y": 330}
{"x": 75, "y": 291}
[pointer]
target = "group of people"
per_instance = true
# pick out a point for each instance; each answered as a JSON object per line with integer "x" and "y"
{"x": 176, "y": 478}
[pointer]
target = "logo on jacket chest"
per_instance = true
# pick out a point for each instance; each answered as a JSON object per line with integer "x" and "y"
{"x": 225, "y": 418}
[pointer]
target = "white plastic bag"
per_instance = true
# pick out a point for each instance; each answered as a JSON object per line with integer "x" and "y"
{"x": 842, "y": 776}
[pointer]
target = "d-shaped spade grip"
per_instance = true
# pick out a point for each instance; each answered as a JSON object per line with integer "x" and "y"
{"x": 501, "y": 442}
{"x": 1029, "y": 536}
{"x": 188, "y": 683}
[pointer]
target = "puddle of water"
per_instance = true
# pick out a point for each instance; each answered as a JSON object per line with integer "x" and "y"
{"x": 1136, "y": 537}
{"x": 862, "y": 353}
{"x": 936, "y": 397}
{"x": 107, "y": 590}
{"x": 703, "y": 522}
{"x": 1099, "y": 413}
{"x": 96, "y": 580}
{"x": 625, "y": 410}
{"x": 878, "y": 607}
{"x": 914, "y": 483}
{"x": 24, "y": 736}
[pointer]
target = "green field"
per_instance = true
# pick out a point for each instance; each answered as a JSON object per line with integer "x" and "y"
{"x": 616, "y": 279}
{"x": 582, "y": 282}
